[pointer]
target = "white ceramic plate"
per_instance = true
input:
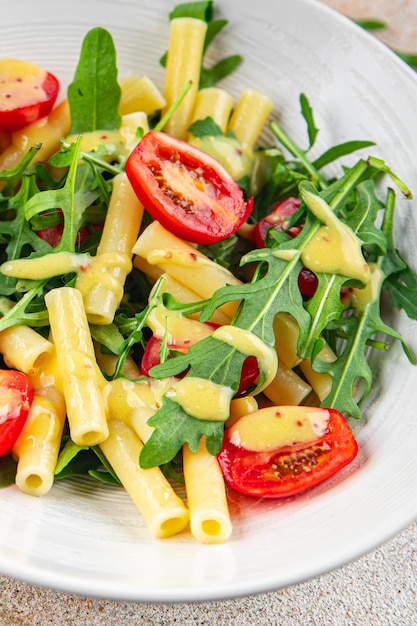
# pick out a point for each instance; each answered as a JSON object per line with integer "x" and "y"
{"x": 90, "y": 539}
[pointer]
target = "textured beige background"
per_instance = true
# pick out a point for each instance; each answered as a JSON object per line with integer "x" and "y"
{"x": 379, "y": 589}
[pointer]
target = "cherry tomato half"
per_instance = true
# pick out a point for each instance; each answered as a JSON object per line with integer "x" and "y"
{"x": 27, "y": 93}
{"x": 185, "y": 189}
{"x": 276, "y": 220}
{"x": 53, "y": 234}
{"x": 291, "y": 469}
{"x": 16, "y": 395}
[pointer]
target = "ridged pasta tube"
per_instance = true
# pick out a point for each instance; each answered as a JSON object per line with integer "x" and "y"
{"x": 185, "y": 51}
{"x": 162, "y": 509}
{"x": 206, "y": 496}
{"x": 38, "y": 444}
{"x": 81, "y": 378}
{"x": 102, "y": 282}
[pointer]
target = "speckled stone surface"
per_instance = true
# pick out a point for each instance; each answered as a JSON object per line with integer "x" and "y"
{"x": 379, "y": 589}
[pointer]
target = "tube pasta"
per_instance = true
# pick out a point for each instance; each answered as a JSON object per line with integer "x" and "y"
{"x": 185, "y": 51}
{"x": 24, "y": 349}
{"x": 206, "y": 496}
{"x": 139, "y": 93}
{"x": 215, "y": 103}
{"x": 47, "y": 131}
{"x": 184, "y": 263}
{"x": 183, "y": 294}
{"x": 249, "y": 117}
{"x": 81, "y": 378}
{"x": 162, "y": 509}
{"x": 102, "y": 282}
{"x": 38, "y": 444}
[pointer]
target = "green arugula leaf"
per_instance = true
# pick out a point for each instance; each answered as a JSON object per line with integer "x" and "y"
{"x": 198, "y": 10}
{"x": 205, "y": 128}
{"x": 173, "y": 428}
{"x": 7, "y": 471}
{"x": 18, "y": 232}
{"x": 94, "y": 94}
{"x": 307, "y": 113}
{"x": 73, "y": 199}
{"x": 339, "y": 151}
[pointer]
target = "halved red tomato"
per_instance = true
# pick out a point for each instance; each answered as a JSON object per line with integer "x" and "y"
{"x": 185, "y": 189}
{"x": 291, "y": 469}
{"x": 16, "y": 395}
{"x": 53, "y": 234}
{"x": 276, "y": 220}
{"x": 27, "y": 93}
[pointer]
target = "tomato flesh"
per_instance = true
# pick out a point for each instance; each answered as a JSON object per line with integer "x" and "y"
{"x": 16, "y": 395}
{"x": 27, "y": 93}
{"x": 185, "y": 189}
{"x": 291, "y": 469}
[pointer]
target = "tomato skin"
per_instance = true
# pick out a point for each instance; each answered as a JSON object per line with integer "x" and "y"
{"x": 185, "y": 189}
{"x": 275, "y": 219}
{"x": 16, "y": 117}
{"x": 289, "y": 470}
{"x": 53, "y": 234}
{"x": 16, "y": 392}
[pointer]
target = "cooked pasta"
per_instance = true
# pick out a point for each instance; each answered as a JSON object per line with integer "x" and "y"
{"x": 162, "y": 509}
{"x": 185, "y": 52}
{"x": 81, "y": 378}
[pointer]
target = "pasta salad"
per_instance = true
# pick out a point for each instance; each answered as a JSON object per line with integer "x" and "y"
{"x": 184, "y": 310}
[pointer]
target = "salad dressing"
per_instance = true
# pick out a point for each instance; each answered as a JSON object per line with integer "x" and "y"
{"x": 274, "y": 427}
{"x": 202, "y": 398}
{"x": 247, "y": 343}
{"x": 334, "y": 249}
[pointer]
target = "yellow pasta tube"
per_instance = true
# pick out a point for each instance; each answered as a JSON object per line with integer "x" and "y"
{"x": 287, "y": 388}
{"x": 249, "y": 117}
{"x": 206, "y": 496}
{"x": 24, "y": 349}
{"x": 139, "y": 93}
{"x": 81, "y": 378}
{"x": 102, "y": 282}
{"x": 47, "y": 131}
{"x": 185, "y": 295}
{"x": 182, "y": 261}
{"x": 240, "y": 407}
{"x": 185, "y": 51}
{"x": 162, "y": 509}
{"x": 215, "y": 103}
{"x": 38, "y": 444}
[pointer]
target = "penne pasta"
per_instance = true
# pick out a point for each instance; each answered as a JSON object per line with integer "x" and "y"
{"x": 47, "y": 131}
{"x": 38, "y": 444}
{"x": 162, "y": 509}
{"x": 184, "y": 263}
{"x": 102, "y": 282}
{"x": 139, "y": 93}
{"x": 81, "y": 378}
{"x": 24, "y": 349}
{"x": 185, "y": 51}
{"x": 206, "y": 496}
{"x": 215, "y": 103}
{"x": 249, "y": 117}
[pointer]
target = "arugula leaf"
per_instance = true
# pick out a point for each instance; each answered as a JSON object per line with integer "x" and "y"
{"x": 73, "y": 199}
{"x": 18, "y": 232}
{"x": 199, "y": 10}
{"x": 205, "y": 128}
{"x": 94, "y": 94}
{"x": 7, "y": 471}
{"x": 174, "y": 427}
